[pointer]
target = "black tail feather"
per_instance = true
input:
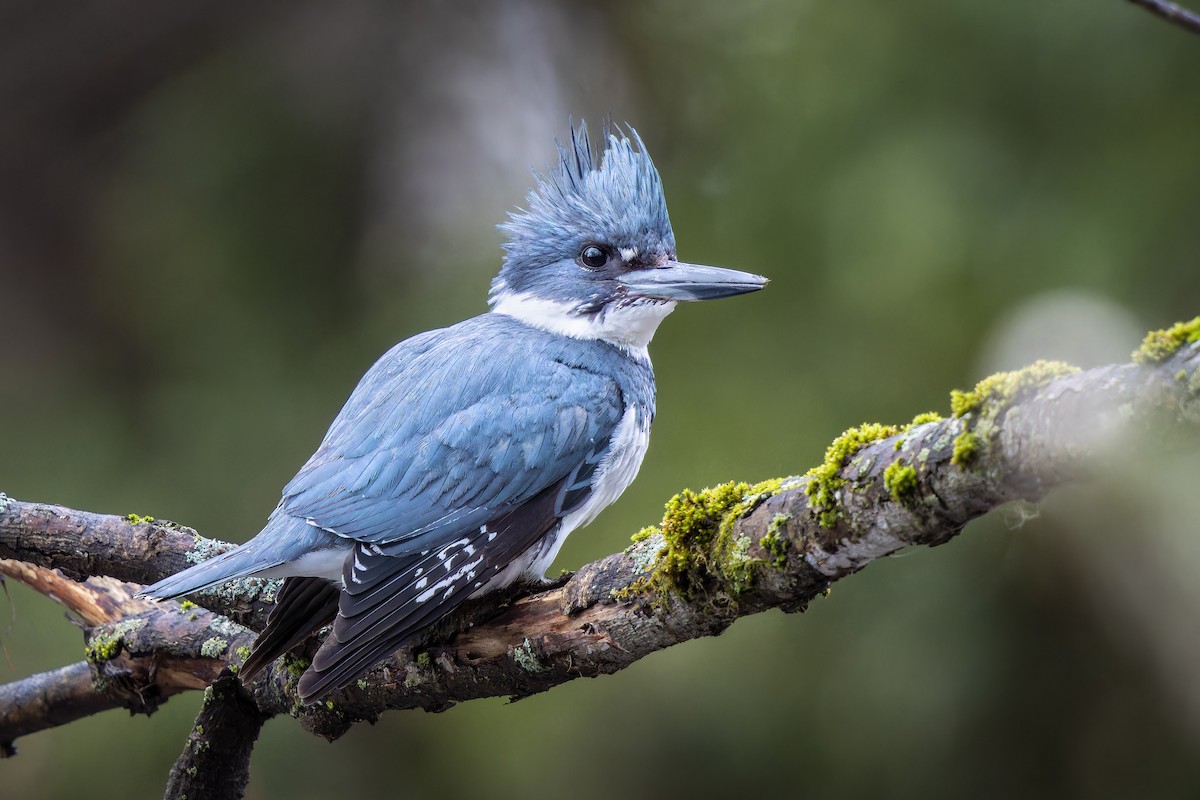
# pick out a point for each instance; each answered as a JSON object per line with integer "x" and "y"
{"x": 302, "y": 606}
{"x": 391, "y": 614}
{"x": 337, "y": 665}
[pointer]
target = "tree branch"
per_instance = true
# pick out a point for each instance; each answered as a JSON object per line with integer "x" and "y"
{"x": 131, "y": 548}
{"x": 138, "y": 654}
{"x": 215, "y": 762}
{"x": 1172, "y": 13}
{"x": 46, "y": 700}
{"x": 718, "y": 555}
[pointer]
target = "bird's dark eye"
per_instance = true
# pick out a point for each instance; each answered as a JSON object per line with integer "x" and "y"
{"x": 593, "y": 257}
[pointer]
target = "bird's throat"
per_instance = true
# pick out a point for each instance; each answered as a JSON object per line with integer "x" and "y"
{"x": 629, "y": 325}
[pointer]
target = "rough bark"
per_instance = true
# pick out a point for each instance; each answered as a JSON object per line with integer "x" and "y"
{"x": 138, "y": 654}
{"x": 131, "y": 548}
{"x": 718, "y": 555}
{"x": 215, "y": 762}
{"x": 45, "y": 700}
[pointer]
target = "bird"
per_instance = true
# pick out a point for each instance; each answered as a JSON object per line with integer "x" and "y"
{"x": 466, "y": 455}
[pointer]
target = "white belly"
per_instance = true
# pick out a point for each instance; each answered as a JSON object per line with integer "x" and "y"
{"x": 613, "y": 476}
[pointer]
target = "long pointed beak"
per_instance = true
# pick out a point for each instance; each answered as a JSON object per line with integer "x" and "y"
{"x": 684, "y": 282}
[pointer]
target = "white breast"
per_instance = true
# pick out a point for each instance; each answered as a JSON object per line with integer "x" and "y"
{"x": 615, "y": 473}
{"x": 618, "y": 469}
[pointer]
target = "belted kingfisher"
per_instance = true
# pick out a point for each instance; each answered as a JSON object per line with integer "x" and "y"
{"x": 466, "y": 455}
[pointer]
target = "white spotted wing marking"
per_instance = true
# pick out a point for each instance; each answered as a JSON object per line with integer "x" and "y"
{"x": 454, "y": 578}
{"x": 460, "y": 561}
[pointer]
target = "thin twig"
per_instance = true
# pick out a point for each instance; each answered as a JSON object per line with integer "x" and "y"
{"x": 1171, "y": 12}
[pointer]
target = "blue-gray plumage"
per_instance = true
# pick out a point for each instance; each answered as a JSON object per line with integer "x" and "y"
{"x": 466, "y": 455}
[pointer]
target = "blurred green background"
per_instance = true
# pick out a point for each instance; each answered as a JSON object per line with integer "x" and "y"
{"x": 215, "y": 216}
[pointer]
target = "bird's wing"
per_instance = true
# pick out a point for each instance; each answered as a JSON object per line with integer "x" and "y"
{"x": 447, "y": 432}
{"x": 387, "y": 600}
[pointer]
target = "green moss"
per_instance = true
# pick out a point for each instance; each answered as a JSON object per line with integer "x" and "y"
{"x": 102, "y": 647}
{"x": 990, "y": 399}
{"x": 243, "y": 653}
{"x": 761, "y": 491}
{"x": 1158, "y": 346}
{"x": 1003, "y": 387}
{"x": 138, "y": 519}
{"x": 214, "y": 647}
{"x": 966, "y": 445}
{"x": 106, "y": 644}
{"x": 644, "y": 534}
{"x": 361, "y": 683}
{"x": 775, "y": 544}
{"x": 295, "y": 666}
{"x": 697, "y": 541}
{"x": 186, "y": 605}
{"x": 423, "y": 659}
{"x": 690, "y": 526}
{"x": 738, "y": 567}
{"x": 900, "y": 480}
{"x": 825, "y": 480}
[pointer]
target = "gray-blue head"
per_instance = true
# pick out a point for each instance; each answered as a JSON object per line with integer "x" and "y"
{"x": 593, "y": 255}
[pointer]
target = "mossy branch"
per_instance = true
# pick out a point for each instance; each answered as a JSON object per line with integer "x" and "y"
{"x": 718, "y": 555}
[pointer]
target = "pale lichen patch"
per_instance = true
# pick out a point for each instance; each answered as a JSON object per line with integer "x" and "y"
{"x": 525, "y": 657}
{"x": 214, "y": 647}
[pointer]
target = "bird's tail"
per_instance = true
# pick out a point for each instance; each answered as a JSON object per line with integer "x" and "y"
{"x": 240, "y": 562}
